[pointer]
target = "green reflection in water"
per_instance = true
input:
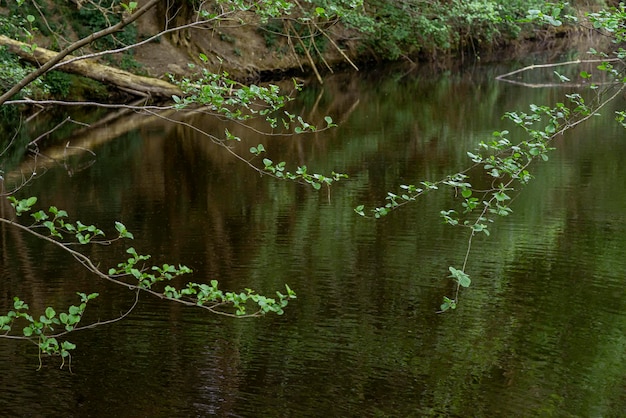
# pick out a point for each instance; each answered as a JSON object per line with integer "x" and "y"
{"x": 539, "y": 333}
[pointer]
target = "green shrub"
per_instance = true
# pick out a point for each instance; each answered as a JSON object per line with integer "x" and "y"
{"x": 410, "y": 26}
{"x": 12, "y": 26}
{"x": 13, "y": 71}
{"x": 89, "y": 19}
{"x": 59, "y": 83}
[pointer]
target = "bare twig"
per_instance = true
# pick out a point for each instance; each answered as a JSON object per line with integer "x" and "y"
{"x": 308, "y": 54}
{"x": 145, "y": 41}
{"x": 505, "y": 77}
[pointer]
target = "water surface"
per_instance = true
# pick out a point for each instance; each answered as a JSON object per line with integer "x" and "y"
{"x": 541, "y": 331}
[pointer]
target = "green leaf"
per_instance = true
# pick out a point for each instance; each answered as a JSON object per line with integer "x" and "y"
{"x": 123, "y": 232}
{"x": 50, "y": 312}
{"x": 19, "y": 304}
{"x": 39, "y": 216}
{"x": 460, "y": 276}
{"x": 68, "y": 345}
{"x": 447, "y": 304}
{"x": 501, "y": 196}
{"x": 561, "y": 76}
{"x": 57, "y": 213}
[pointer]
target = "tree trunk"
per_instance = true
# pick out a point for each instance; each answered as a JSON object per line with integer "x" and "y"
{"x": 134, "y": 84}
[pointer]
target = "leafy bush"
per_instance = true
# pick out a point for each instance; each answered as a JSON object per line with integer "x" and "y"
{"x": 13, "y": 71}
{"x": 12, "y": 26}
{"x": 89, "y": 19}
{"x": 59, "y": 83}
{"x": 411, "y": 26}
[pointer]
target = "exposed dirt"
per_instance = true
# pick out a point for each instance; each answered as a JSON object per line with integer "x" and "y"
{"x": 236, "y": 46}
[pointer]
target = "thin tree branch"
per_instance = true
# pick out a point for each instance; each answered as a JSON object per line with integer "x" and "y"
{"x": 145, "y": 41}
{"x": 125, "y": 21}
{"x": 88, "y": 264}
{"x": 504, "y": 77}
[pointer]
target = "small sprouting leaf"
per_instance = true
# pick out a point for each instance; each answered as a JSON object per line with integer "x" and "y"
{"x": 121, "y": 229}
{"x": 19, "y": 304}
{"x": 50, "y": 312}
{"x": 290, "y": 292}
{"x": 39, "y": 216}
{"x": 68, "y": 345}
{"x": 23, "y": 205}
{"x": 448, "y": 304}
{"x": 561, "y": 77}
{"x": 460, "y": 276}
{"x": 257, "y": 150}
{"x": 501, "y": 196}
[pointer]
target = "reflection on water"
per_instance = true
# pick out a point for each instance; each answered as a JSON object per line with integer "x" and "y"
{"x": 539, "y": 333}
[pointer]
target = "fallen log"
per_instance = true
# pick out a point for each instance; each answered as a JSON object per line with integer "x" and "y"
{"x": 131, "y": 83}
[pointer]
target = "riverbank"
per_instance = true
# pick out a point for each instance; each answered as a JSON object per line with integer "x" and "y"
{"x": 249, "y": 49}
{"x": 252, "y": 47}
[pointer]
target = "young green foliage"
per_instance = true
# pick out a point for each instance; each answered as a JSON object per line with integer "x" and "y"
{"x": 46, "y": 330}
{"x": 507, "y": 165}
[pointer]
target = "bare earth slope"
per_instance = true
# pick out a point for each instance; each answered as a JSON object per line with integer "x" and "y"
{"x": 238, "y": 48}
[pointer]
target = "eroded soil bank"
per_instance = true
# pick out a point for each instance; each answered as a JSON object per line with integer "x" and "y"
{"x": 252, "y": 50}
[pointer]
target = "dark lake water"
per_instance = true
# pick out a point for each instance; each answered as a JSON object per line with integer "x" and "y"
{"x": 541, "y": 331}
